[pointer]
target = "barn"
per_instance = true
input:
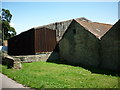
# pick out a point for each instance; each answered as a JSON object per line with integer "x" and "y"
{"x": 110, "y": 48}
{"x": 92, "y": 44}
{"x": 79, "y": 42}
{"x": 33, "y": 41}
{"x": 26, "y": 39}
{"x": 38, "y": 39}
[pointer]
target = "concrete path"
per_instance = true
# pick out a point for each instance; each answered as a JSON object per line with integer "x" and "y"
{"x": 6, "y": 82}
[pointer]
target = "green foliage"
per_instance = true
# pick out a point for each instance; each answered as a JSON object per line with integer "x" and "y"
{"x": 6, "y": 15}
{"x": 7, "y": 30}
{"x": 50, "y": 75}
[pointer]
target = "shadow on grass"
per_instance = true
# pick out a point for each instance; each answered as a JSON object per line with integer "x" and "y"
{"x": 91, "y": 69}
{"x": 54, "y": 58}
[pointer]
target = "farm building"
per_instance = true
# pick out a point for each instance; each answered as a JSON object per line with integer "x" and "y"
{"x": 110, "y": 48}
{"x": 23, "y": 41}
{"x": 60, "y": 27}
{"x": 79, "y": 42}
{"x": 33, "y": 41}
{"x": 91, "y": 44}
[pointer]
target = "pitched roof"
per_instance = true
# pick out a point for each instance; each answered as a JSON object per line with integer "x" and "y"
{"x": 98, "y": 29}
{"x": 53, "y": 24}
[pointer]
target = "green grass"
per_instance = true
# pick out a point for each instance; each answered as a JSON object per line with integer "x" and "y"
{"x": 51, "y": 75}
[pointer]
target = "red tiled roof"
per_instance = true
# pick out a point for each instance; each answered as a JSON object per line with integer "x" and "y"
{"x": 98, "y": 29}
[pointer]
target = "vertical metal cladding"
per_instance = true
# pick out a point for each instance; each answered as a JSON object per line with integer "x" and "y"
{"x": 22, "y": 44}
{"x": 45, "y": 40}
{"x": 32, "y": 42}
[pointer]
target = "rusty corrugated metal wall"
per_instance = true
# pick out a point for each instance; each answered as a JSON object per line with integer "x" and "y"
{"x": 45, "y": 40}
{"x": 32, "y": 42}
{"x": 22, "y": 44}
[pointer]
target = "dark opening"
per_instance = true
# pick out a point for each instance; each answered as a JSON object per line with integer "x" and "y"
{"x": 74, "y": 31}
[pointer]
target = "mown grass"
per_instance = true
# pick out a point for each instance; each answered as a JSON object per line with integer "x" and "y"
{"x": 51, "y": 75}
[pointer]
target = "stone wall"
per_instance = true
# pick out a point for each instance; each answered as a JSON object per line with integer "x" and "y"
{"x": 33, "y": 58}
{"x": 79, "y": 47}
{"x": 110, "y": 48}
{"x": 15, "y": 61}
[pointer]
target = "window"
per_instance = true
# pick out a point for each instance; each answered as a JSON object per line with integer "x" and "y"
{"x": 74, "y": 31}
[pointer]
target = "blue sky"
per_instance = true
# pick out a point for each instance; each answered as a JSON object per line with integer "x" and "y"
{"x": 32, "y": 14}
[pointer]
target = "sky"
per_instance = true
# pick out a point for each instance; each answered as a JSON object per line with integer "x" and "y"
{"x": 26, "y": 15}
{"x": 119, "y": 10}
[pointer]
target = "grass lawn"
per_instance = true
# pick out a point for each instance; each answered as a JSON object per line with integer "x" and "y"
{"x": 51, "y": 75}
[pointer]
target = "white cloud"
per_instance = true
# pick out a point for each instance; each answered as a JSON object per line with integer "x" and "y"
{"x": 12, "y": 24}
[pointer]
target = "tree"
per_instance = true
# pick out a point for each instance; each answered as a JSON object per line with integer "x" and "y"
{"x": 7, "y": 30}
{"x": 0, "y": 31}
{"x": 6, "y": 15}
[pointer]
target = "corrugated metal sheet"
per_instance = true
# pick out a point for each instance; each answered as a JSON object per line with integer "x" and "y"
{"x": 32, "y": 42}
{"x": 45, "y": 40}
{"x": 60, "y": 28}
{"x": 22, "y": 44}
